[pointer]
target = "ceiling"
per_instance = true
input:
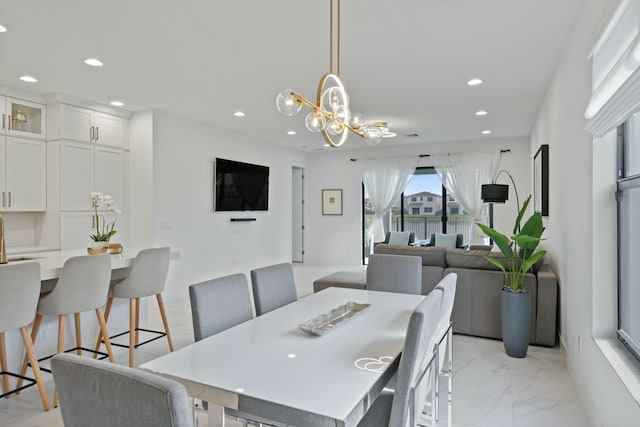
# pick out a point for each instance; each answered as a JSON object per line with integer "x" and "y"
{"x": 403, "y": 61}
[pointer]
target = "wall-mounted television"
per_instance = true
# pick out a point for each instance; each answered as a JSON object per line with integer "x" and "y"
{"x": 240, "y": 186}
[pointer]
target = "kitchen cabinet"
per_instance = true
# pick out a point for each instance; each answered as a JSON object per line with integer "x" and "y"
{"x": 85, "y": 125}
{"x": 23, "y": 178}
{"x": 85, "y": 168}
{"x": 23, "y": 118}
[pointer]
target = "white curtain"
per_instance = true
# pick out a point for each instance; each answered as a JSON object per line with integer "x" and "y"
{"x": 463, "y": 174}
{"x": 385, "y": 180}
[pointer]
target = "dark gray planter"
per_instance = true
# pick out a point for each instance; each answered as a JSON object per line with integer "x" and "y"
{"x": 515, "y": 312}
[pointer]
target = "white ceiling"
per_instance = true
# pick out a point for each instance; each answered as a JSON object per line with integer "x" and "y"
{"x": 404, "y": 61}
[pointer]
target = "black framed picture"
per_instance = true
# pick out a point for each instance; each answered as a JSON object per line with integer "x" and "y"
{"x": 541, "y": 180}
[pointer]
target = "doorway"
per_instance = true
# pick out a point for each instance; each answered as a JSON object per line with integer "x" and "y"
{"x": 297, "y": 217}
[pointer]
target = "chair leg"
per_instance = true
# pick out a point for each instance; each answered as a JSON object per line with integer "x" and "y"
{"x": 34, "y": 335}
{"x": 133, "y": 309}
{"x": 164, "y": 320}
{"x": 3, "y": 364}
{"x": 107, "y": 311}
{"x": 76, "y": 318}
{"x": 105, "y": 333}
{"x": 31, "y": 355}
{"x": 62, "y": 323}
{"x": 137, "y": 320}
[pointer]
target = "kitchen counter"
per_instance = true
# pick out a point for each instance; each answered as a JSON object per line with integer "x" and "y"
{"x": 51, "y": 262}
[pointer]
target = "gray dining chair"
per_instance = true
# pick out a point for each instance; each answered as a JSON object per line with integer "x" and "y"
{"x": 273, "y": 287}
{"x": 96, "y": 393}
{"x": 416, "y": 372}
{"x": 83, "y": 285}
{"x": 147, "y": 277}
{"x": 444, "y": 335}
{"x": 395, "y": 273}
{"x": 220, "y": 304}
{"x": 19, "y": 294}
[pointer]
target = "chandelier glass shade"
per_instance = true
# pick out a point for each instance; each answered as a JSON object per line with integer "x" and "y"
{"x": 330, "y": 114}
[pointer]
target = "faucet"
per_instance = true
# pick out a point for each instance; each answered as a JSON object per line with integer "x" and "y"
{"x": 3, "y": 250}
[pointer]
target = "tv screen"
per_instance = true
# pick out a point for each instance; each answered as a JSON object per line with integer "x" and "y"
{"x": 240, "y": 186}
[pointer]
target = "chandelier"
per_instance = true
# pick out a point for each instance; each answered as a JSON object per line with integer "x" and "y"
{"x": 330, "y": 114}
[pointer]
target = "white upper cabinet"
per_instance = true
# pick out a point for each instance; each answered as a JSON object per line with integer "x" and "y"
{"x": 82, "y": 124}
{"x": 23, "y": 118}
{"x": 23, "y": 177}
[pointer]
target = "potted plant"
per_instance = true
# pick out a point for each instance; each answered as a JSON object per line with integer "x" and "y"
{"x": 106, "y": 230}
{"x": 515, "y": 301}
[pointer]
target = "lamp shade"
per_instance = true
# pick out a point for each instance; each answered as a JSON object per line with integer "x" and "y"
{"x": 494, "y": 193}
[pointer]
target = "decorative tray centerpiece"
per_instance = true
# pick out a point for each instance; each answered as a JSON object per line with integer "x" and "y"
{"x": 325, "y": 322}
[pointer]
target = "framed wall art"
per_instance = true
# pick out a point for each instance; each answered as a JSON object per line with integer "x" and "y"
{"x": 331, "y": 202}
{"x": 541, "y": 181}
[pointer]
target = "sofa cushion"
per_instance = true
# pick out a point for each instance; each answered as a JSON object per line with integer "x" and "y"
{"x": 461, "y": 258}
{"x": 446, "y": 240}
{"x": 398, "y": 238}
{"x": 432, "y": 255}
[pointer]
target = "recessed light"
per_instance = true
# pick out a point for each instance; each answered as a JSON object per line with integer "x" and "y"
{"x": 93, "y": 62}
{"x": 29, "y": 79}
{"x": 291, "y": 132}
{"x": 486, "y": 132}
{"x": 117, "y": 103}
{"x": 474, "y": 82}
{"x": 291, "y": 355}
{"x": 3, "y": 29}
{"x": 481, "y": 113}
{"x": 238, "y": 114}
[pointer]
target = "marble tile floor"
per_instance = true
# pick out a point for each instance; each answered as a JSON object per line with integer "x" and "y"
{"x": 489, "y": 388}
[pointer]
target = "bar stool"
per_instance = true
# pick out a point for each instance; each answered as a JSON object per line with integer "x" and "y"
{"x": 19, "y": 293}
{"x": 147, "y": 277}
{"x": 83, "y": 285}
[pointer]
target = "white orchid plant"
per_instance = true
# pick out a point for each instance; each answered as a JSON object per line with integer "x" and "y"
{"x": 105, "y": 231}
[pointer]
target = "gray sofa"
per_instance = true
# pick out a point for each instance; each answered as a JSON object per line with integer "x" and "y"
{"x": 476, "y": 310}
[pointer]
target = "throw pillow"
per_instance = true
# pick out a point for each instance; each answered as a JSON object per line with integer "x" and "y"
{"x": 446, "y": 240}
{"x": 399, "y": 238}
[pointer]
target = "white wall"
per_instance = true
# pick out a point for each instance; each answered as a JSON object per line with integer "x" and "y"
{"x": 338, "y": 239}
{"x": 208, "y": 244}
{"x": 574, "y": 239}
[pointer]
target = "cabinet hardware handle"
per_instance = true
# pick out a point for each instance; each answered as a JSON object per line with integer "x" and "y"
{"x": 8, "y": 121}
{"x": 91, "y": 133}
{"x": 2, "y": 120}
{"x": 3, "y": 204}
{"x": 9, "y": 198}
{"x": 97, "y": 133}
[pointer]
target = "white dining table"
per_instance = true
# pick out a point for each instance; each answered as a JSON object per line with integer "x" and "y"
{"x": 269, "y": 368}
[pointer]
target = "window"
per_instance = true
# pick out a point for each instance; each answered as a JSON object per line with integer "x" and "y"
{"x": 628, "y": 196}
{"x": 409, "y": 214}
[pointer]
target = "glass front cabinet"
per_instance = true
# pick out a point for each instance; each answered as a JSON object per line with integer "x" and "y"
{"x": 23, "y": 118}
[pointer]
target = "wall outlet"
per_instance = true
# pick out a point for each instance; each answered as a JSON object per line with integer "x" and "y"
{"x": 174, "y": 255}
{"x": 234, "y": 261}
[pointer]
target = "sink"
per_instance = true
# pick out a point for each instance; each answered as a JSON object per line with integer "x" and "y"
{"x": 22, "y": 258}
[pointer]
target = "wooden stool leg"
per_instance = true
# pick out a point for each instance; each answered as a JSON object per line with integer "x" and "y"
{"x": 137, "y": 320}
{"x": 31, "y": 355}
{"x": 105, "y": 334}
{"x": 76, "y": 318}
{"x": 107, "y": 311}
{"x": 3, "y": 364}
{"x": 34, "y": 335}
{"x": 133, "y": 309}
{"x": 62, "y": 324}
{"x": 164, "y": 320}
